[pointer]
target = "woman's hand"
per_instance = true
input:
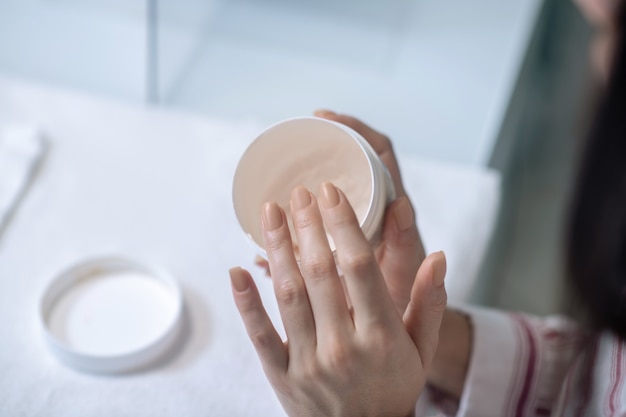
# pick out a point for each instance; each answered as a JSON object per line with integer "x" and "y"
{"x": 400, "y": 252}
{"x": 337, "y": 361}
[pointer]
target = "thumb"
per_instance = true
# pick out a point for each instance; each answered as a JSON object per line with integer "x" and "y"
{"x": 423, "y": 315}
{"x": 401, "y": 251}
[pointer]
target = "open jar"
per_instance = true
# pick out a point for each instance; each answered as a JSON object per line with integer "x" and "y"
{"x": 309, "y": 151}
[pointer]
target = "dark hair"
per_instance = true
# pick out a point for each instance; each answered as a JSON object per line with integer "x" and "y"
{"x": 596, "y": 242}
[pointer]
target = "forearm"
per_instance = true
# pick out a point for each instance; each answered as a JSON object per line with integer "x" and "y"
{"x": 449, "y": 367}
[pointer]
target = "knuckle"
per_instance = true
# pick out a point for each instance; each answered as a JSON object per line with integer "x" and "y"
{"x": 381, "y": 341}
{"x": 309, "y": 372}
{"x": 359, "y": 263}
{"x": 340, "y": 359}
{"x": 275, "y": 242}
{"x": 343, "y": 218}
{"x": 303, "y": 221}
{"x": 352, "y": 122}
{"x": 408, "y": 240}
{"x": 379, "y": 334}
{"x": 382, "y": 145}
{"x": 318, "y": 267}
{"x": 385, "y": 143}
{"x": 260, "y": 340}
{"x": 288, "y": 292}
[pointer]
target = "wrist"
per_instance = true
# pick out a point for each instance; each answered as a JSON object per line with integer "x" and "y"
{"x": 449, "y": 367}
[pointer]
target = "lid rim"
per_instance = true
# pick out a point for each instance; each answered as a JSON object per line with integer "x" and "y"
{"x": 123, "y": 361}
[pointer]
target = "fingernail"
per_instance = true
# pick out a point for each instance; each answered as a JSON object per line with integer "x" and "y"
{"x": 439, "y": 267}
{"x": 300, "y": 197}
{"x": 330, "y": 195}
{"x": 324, "y": 112}
{"x": 239, "y": 280}
{"x": 272, "y": 217}
{"x": 403, "y": 214}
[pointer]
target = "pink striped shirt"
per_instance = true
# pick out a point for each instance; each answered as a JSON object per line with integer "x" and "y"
{"x": 523, "y": 366}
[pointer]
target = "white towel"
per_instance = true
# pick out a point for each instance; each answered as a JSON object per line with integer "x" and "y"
{"x": 457, "y": 207}
{"x": 21, "y": 150}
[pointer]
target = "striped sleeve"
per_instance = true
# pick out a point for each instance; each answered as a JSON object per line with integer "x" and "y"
{"x": 596, "y": 385}
{"x": 518, "y": 364}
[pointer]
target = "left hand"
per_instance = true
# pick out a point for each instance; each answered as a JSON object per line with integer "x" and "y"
{"x": 369, "y": 361}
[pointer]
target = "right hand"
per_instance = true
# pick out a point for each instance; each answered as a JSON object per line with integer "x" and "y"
{"x": 336, "y": 356}
{"x": 400, "y": 252}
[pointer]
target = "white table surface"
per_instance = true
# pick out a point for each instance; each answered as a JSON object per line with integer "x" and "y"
{"x": 155, "y": 185}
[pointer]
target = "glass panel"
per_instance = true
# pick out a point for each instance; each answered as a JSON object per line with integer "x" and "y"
{"x": 180, "y": 32}
{"x": 271, "y": 59}
{"x": 93, "y": 45}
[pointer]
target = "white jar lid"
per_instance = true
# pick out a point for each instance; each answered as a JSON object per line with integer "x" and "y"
{"x": 111, "y": 315}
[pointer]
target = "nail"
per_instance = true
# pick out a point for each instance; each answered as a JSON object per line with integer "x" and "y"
{"x": 239, "y": 279}
{"x": 439, "y": 267}
{"x": 330, "y": 195}
{"x": 300, "y": 197}
{"x": 403, "y": 214}
{"x": 324, "y": 112}
{"x": 272, "y": 217}
{"x": 259, "y": 260}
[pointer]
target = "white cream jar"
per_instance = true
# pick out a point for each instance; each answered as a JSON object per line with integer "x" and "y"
{"x": 309, "y": 151}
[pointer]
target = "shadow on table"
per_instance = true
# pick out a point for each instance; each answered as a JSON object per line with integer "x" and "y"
{"x": 194, "y": 336}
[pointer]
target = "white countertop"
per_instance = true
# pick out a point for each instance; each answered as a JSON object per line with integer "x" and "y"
{"x": 155, "y": 185}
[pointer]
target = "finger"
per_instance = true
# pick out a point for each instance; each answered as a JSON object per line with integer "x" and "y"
{"x": 424, "y": 313}
{"x": 401, "y": 251}
{"x": 293, "y": 302}
{"x": 318, "y": 267}
{"x": 362, "y": 276}
{"x": 266, "y": 341}
{"x": 381, "y": 144}
{"x": 263, "y": 264}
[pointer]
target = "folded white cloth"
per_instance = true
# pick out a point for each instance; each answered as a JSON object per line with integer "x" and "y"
{"x": 456, "y": 207}
{"x": 21, "y": 149}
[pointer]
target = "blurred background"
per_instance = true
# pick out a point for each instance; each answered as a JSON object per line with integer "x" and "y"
{"x": 495, "y": 84}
